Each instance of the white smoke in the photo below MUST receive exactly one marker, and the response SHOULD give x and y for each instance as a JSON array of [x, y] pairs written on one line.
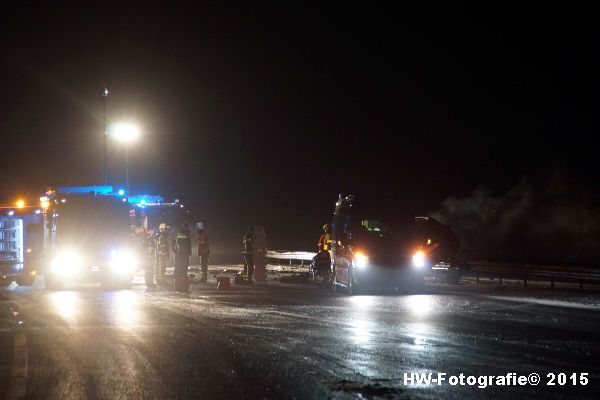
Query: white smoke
[[551, 215]]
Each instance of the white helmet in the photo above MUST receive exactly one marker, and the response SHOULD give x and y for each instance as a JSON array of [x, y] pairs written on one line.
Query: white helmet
[[162, 227], [199, 226]]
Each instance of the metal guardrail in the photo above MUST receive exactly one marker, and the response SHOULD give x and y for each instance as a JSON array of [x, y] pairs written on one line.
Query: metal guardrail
[[533, 272], [482, 269]]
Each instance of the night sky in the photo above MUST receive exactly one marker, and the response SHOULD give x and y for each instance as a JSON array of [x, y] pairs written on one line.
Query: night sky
[[264, 113]]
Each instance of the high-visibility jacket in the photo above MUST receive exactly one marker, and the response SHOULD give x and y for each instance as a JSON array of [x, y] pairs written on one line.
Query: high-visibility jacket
[[163, 244], [247, 244], [203, 246], [325, 242], [182, 245]]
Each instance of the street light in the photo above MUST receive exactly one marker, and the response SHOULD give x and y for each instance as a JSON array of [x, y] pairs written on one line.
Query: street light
[[125, 133]]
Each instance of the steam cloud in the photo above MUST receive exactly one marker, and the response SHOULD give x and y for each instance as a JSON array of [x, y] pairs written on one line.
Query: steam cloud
[[547, 219]]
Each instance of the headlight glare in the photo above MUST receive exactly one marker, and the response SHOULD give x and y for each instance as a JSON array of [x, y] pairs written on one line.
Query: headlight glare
[[360, 260], [122, 262], [66, 262], [418, 259]]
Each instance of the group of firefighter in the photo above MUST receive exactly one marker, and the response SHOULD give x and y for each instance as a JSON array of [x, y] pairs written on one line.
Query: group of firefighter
[[160, 245]]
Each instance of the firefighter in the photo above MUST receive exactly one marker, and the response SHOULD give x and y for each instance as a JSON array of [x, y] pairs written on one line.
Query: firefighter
[[247, 244], [325, 239], [182, 247], [203, 250], [162, 244], [322, 260]]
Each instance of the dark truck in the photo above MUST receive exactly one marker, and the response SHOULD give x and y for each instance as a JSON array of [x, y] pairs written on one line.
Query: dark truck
[[368, 252], [89, 239]]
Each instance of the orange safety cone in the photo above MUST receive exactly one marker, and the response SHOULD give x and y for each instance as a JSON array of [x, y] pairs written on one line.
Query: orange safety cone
[[223, 282]]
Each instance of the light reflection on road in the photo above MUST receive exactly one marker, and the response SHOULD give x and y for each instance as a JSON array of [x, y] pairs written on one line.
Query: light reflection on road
[[420, 305], [361, 308], [419, 332], [126, 309], [66, 304]]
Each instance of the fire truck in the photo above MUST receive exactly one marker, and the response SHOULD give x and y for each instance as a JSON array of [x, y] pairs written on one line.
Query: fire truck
[[81, 233], [88, 238]]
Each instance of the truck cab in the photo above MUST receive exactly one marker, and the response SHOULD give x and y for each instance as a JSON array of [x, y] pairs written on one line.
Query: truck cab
[[89, 238]]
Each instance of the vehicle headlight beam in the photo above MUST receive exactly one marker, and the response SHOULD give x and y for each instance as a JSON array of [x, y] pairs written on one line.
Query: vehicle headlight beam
[[361, 260], [66, 262], [419, 259], [122, 262]]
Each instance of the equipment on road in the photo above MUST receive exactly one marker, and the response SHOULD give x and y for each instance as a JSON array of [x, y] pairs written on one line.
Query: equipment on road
[[319, 270], [223, 283]]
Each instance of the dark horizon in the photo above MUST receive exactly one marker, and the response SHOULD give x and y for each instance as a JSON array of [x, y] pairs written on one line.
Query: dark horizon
[[264, 114]]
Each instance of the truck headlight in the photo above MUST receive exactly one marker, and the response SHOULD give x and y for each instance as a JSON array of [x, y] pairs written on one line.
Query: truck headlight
[[122, 262], [65, 262], [361, 260], [418, 259]]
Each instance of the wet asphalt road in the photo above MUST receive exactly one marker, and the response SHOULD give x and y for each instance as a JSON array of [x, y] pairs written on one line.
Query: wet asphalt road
[[289, 341]]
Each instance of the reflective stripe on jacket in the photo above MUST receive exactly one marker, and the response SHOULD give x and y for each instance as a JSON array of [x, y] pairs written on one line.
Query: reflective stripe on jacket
[[247, 244], [325, 242]]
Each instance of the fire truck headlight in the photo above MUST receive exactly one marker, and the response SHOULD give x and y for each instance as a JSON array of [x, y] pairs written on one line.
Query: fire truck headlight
[[361, 260], [66, 262], [122, 262], [418, 259]]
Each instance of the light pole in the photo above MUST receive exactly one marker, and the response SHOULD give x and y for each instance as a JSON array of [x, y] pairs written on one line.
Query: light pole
[[104, 97], [125, 133]]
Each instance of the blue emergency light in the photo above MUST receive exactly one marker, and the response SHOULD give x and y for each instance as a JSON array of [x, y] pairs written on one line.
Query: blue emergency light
[[143, 200], [95, 190]]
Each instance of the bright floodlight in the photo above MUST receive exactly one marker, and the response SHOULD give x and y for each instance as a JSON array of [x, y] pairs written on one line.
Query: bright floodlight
[[125, 132]]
